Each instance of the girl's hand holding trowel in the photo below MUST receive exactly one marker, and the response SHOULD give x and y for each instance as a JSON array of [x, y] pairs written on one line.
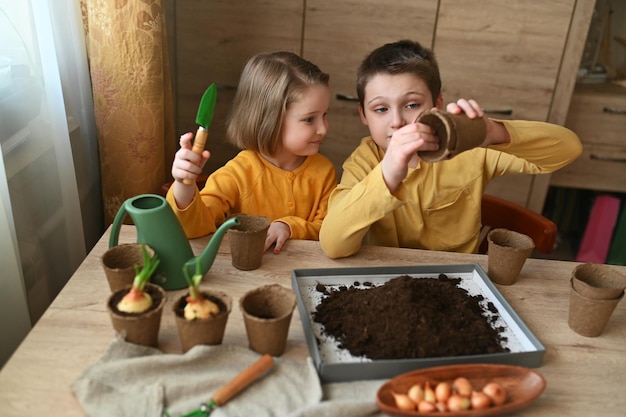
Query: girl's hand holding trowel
[[186, 168], [190, 160]]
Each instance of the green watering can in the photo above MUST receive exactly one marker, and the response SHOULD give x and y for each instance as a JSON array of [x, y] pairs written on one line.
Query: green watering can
[[158, 227]]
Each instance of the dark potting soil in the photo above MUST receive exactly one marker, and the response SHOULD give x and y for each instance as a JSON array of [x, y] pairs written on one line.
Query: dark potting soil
[[409, 318]]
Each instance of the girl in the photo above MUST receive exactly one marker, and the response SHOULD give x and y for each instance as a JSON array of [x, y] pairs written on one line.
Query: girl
[[279, 120]]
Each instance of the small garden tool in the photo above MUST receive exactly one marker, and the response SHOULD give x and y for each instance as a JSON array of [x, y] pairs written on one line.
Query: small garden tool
[[232, 388], [204, 117]]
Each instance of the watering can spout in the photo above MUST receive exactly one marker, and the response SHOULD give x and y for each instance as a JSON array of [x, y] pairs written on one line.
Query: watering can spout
[[210, 251]]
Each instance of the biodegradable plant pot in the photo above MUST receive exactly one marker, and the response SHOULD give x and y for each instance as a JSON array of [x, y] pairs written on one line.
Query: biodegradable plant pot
[[506, 254], [267, 312], [203, 331], [142, 328], [119, 263], [456, 133], [589, 316], [598, 281], [247, 241]]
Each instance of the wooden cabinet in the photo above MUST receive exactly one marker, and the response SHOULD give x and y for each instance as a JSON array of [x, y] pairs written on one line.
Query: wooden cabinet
[[598, 115], [338, 34], [507, 56], [210, 41], [517, 58], [517, 55]]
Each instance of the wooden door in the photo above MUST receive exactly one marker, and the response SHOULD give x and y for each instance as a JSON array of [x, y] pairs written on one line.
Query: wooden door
[[507, 56], [213, 40], [338, 35]]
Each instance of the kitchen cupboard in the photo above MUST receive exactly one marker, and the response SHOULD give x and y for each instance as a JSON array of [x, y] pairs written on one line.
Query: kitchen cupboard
[[338, 35], [506, 55], [209, 42], [598, 115], [598, 107], [517, 58]]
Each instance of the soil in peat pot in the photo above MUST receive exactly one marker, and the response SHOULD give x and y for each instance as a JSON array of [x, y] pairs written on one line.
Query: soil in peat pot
[[409, 318]]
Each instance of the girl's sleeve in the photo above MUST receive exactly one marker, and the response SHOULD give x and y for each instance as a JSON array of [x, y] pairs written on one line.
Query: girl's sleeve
[[209, 207]]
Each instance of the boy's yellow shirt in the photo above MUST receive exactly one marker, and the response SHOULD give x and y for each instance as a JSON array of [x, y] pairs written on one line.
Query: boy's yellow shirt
[[438, 205]]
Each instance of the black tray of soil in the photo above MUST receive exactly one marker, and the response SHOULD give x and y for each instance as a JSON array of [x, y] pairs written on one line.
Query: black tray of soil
[[380, 322]]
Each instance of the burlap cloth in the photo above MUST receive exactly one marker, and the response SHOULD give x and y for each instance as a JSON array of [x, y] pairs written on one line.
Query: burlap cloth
[[134, 381]]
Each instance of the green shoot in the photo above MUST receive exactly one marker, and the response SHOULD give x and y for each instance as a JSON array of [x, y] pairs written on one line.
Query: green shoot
[[197, 306], [149, 266]]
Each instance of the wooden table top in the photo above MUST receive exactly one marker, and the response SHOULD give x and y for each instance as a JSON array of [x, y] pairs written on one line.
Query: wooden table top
[[584, 375]]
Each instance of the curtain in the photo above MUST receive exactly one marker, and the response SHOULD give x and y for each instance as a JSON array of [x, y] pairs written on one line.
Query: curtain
[[86, 121], [49, 176], [127, 49]]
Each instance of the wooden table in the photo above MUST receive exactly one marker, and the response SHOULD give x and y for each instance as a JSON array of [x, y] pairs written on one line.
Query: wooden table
[[585, 376]]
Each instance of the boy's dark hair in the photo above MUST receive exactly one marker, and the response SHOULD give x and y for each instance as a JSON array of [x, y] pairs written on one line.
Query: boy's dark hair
[[400, 57]]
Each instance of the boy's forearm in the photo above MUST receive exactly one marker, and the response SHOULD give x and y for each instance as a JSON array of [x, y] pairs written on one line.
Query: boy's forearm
[[496, 134], [547, 146]]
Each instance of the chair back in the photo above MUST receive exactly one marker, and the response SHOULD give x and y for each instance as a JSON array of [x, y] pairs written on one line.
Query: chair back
[[499, 213]]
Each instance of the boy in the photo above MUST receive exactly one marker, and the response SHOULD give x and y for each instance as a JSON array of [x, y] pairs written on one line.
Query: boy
[[389, 197]]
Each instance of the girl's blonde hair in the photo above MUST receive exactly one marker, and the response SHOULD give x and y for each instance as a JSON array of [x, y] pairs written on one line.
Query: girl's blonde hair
[[269, 83]]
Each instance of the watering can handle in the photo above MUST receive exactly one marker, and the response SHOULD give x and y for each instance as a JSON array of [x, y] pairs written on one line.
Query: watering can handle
[[117, 225]]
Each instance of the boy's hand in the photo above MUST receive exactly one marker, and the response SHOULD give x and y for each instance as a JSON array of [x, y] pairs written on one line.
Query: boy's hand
[[469, 107], [402, 150], [496, 132], [278, 234]]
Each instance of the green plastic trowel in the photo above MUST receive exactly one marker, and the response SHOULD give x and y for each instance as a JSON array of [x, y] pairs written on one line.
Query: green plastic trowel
[[204, 117]]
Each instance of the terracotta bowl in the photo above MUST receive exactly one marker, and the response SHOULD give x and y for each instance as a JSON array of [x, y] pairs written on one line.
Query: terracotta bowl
[[522, 386]]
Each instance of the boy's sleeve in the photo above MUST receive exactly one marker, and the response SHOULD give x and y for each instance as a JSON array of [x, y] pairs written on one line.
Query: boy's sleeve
[[541, 148], [353, 207]]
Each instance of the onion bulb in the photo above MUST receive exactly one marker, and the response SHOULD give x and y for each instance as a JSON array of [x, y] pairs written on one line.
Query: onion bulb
[[429, 393], [416, 393], [479, 400], [200, 308], [426, 407], [458, 402], [462, 386], [403, 402], [443, 390], [495, 392], [135, 301], [441, 407]]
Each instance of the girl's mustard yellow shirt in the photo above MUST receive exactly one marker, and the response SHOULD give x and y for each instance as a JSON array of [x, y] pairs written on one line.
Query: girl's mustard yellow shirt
[[250, 184]]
